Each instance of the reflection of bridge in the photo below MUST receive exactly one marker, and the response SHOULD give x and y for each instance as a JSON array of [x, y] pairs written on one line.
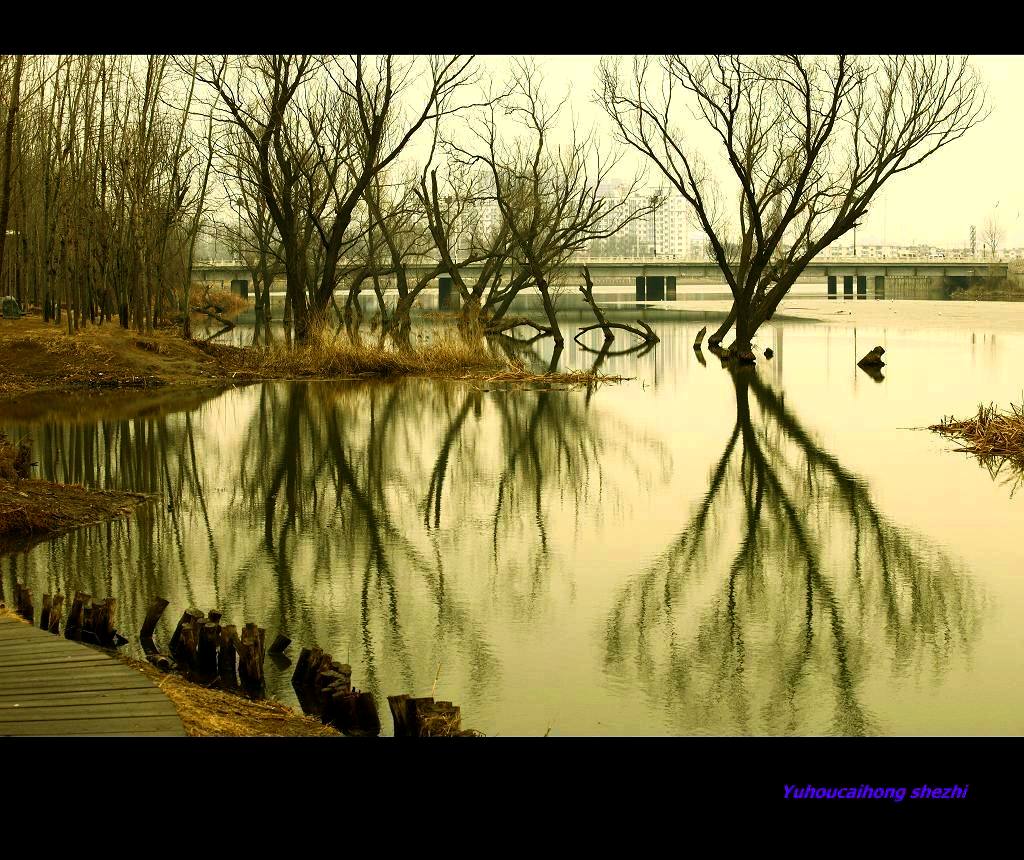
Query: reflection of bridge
[[656, 278]]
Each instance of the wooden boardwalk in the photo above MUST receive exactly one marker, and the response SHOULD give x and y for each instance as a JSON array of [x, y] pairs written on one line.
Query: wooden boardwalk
[[52, 686]]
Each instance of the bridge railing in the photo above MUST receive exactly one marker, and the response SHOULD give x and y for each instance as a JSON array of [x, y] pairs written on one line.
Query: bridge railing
[[695, 261]]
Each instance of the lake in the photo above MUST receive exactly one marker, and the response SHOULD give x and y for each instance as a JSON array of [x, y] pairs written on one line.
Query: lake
[[692, 551]]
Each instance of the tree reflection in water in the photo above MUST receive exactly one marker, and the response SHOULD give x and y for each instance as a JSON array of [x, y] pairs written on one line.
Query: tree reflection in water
[[785, 588], [395, 524]]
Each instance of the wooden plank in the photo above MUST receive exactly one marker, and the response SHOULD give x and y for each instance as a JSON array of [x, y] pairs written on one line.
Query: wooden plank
[[83, 711], [96, 725], [71, 698], [46, 686], [52, 686], [44, 647], [56, 661]]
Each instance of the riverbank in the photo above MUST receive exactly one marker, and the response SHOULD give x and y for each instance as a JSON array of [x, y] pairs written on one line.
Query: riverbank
[[31, 509], [210, 713], [41, 358]]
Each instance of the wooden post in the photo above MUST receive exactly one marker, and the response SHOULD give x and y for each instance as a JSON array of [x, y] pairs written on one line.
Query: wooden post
[[227, 657], [367, 719], [23, 602], [184, 645], [250, 656], [103, 622], [300, 667], [73, 629], [423, 717], [400, 715], [156, 609], [215, 615], [44, 616], [56, 610], [209, 639], [187, 617], [281, 642], [188, 645]]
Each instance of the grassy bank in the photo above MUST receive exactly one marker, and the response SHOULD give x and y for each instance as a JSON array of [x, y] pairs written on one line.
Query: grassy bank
[[31, 508], [214, 713], [40, 358]]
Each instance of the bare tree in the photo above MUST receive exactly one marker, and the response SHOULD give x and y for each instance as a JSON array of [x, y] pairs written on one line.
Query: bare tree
[[804, 143], [545, 191], [993, 233]]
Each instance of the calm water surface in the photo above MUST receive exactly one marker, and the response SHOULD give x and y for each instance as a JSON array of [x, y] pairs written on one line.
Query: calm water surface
[[689, 552]]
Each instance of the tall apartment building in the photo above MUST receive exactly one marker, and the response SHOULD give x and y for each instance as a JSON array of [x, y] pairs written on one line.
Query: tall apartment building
[[664, 232]]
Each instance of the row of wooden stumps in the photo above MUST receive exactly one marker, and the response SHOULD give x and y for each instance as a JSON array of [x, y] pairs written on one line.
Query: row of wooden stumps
[[324, 688], [204, 648], [89, 620]]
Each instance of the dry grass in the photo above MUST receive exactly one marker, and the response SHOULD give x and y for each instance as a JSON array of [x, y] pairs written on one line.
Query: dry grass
[[995, 437], [223, 302], [447, 355], [40, 507], [443, 356], [209, 712], [38, 357], [990, 433]]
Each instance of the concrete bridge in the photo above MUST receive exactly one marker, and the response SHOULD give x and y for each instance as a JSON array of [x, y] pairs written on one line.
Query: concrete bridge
[[656, 278]]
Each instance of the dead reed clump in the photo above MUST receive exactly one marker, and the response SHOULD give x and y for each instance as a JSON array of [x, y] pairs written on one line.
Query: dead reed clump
[[991, 433]]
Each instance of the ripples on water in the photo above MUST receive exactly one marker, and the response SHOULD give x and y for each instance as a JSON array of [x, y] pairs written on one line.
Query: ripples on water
[[691, 552]]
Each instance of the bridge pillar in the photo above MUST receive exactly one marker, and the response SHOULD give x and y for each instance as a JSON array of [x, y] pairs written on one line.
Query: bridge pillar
[[831, 286], [656, 289], [847, 286], [641, 289], [447, 298], [862, 286], [240, 287], [879, 286], [670, 288]]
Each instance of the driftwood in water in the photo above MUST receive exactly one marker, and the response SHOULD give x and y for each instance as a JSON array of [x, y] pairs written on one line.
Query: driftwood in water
[[161, 661], [699, 339], [156, 609], [505, 325], [251, 651], [56, 611], [873, 358], [281, 642], [647, 335]]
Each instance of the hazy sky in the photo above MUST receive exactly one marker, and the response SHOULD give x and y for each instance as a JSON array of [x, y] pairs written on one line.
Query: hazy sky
[[934, 203]]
